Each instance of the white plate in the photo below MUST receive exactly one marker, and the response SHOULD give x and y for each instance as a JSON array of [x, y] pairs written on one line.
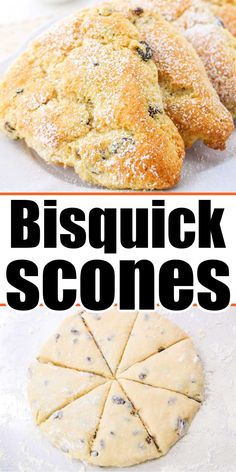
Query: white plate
[[208, 447], [204, 170]]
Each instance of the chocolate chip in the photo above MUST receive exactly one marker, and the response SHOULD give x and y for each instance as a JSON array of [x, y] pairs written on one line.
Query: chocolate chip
[[118, 400], [145, 51], [75, 331], [142, 376], [154, 110], [9, 127], [57, 337], [138, 11], [58, 415]]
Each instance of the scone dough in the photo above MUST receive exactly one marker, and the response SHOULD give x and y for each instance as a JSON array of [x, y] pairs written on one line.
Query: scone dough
[[131, 402]]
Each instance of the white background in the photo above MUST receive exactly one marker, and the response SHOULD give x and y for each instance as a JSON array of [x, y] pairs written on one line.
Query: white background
[[15, 10], [78, 257]]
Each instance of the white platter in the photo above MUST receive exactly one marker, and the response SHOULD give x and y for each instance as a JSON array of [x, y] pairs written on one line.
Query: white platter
[[204, 170]]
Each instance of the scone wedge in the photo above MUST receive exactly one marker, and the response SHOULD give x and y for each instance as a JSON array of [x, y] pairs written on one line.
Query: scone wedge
[[167, 415], [189, 97], [165, 369], [119, 416], [81, 96], [72, 428], [51, 388], [214, 43]]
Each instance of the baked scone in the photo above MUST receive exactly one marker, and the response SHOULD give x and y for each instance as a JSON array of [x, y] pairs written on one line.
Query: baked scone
[[188, 95], [214, 43], [226, 11], [136, 409], [81, 96]]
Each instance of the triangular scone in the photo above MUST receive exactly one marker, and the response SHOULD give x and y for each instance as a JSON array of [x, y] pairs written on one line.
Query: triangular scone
[[166, 415], [51, 387], [177, 368], [188, 96], [151, 333], [73, 346], [81, 96], [214, 43], [111, 331], [121, 429], [72, 428]]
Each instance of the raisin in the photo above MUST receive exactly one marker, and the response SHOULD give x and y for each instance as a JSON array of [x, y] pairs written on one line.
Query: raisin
[[57, 337], [118, 400], [182, 426], [58, 415], [142, 376], [75, 331], [148, 439], [220, 22], [89, 359], [154, 110], [145, 51], [121, 144], [9, 128], [112, 433], [94, 453], [138, 11]]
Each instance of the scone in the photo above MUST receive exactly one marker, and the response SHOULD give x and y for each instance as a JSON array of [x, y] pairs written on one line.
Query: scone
[[116, 389], [86, 95], [188, 95], [214, 43], [226, 11]]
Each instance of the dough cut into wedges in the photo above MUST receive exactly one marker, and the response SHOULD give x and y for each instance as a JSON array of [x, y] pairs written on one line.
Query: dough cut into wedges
[[111, 330], [151, 333], [73, 346], [122, 439], [72, 428], [51, 387], [214, 43], [177, 368], [81, 95], [188, 96], [167, 415]]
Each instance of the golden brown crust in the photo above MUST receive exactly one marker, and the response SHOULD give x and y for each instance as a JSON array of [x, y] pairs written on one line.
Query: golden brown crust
[[81, 96], [188, 96], [227, 14], [214, 43]]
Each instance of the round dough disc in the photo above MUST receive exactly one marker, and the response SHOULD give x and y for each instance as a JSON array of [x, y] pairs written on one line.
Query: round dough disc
[[116, 389]]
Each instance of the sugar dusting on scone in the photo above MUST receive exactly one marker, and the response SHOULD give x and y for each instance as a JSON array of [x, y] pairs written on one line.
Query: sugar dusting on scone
[[214, 43], [86, 95], [188, 95]]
